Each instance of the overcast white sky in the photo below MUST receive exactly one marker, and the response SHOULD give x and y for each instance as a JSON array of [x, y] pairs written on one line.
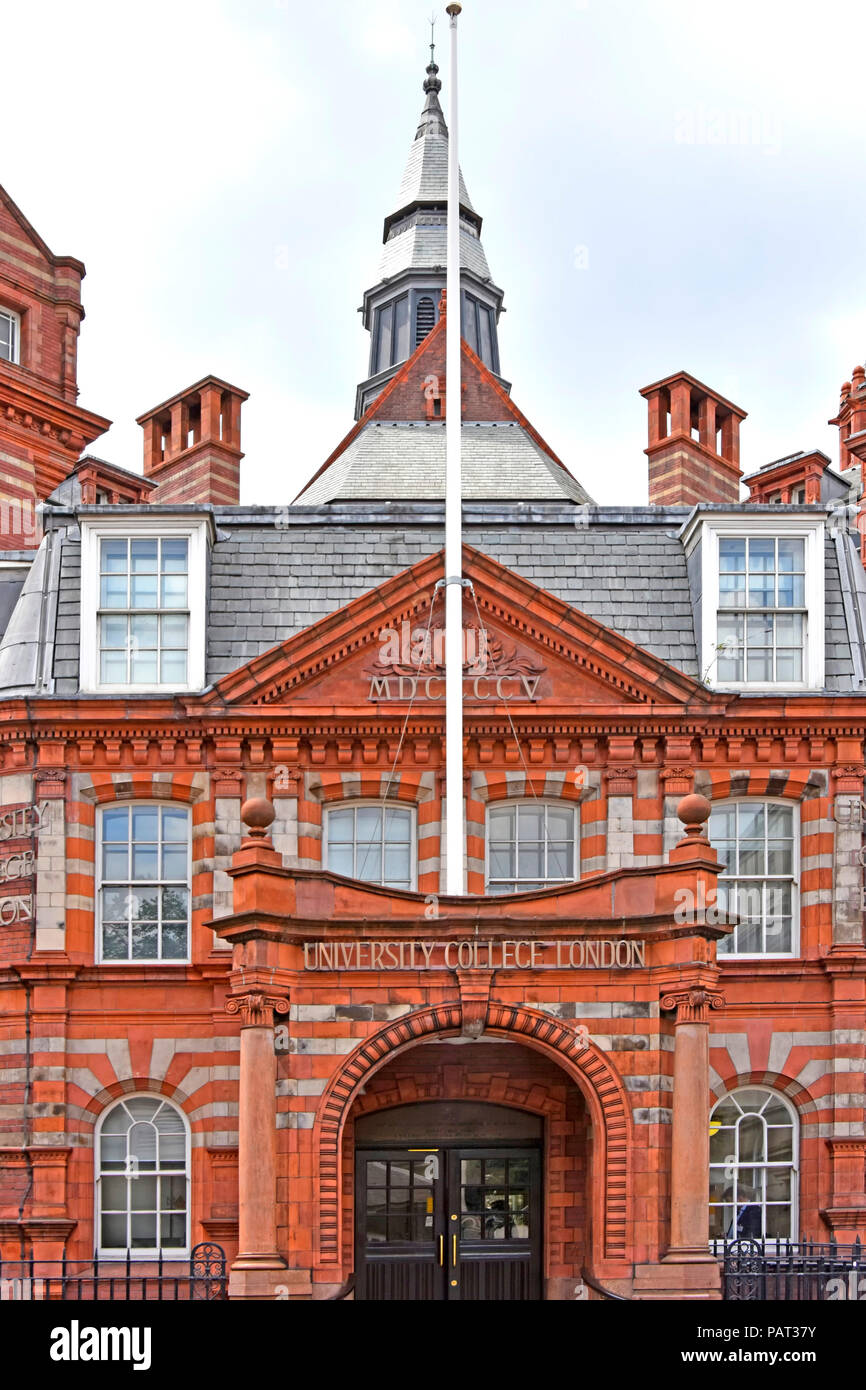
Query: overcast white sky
[[664, 185]]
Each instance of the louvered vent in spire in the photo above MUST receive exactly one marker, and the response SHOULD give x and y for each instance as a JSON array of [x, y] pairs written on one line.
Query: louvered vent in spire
[[425, 320]]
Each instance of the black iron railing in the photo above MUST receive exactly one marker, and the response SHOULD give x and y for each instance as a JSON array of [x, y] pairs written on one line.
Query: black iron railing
[[600, 1290], [792, 1271], [202, 1277]]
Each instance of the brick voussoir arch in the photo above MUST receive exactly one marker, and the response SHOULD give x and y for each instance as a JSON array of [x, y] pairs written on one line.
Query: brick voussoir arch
[[588, 1067]]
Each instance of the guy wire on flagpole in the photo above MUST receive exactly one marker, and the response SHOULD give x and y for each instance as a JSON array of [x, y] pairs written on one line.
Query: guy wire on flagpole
[[455, 810]]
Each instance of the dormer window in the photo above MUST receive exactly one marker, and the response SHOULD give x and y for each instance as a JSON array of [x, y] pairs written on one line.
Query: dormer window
[[10, 336], [762, 614], [143, 605]]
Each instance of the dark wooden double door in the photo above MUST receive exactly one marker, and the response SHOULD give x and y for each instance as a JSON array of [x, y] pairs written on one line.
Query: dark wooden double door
[[454, 1222]]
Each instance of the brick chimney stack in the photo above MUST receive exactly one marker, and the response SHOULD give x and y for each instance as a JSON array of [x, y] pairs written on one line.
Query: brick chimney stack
[[851, 421], [694, 443], [192, 444]]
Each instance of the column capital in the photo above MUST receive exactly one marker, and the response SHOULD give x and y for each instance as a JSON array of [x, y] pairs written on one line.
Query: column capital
[[257, 1008], [692, 1005]]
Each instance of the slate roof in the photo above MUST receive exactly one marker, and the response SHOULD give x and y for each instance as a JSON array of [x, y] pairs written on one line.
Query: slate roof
[[425, 177], [274, 573], [421, 242], [416, 231], [388, 461]]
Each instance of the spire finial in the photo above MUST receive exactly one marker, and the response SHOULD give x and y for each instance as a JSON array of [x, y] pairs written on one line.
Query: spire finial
[[433, 84]]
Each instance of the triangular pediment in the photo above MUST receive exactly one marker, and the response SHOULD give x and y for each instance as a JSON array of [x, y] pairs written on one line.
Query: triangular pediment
[[524, 648]]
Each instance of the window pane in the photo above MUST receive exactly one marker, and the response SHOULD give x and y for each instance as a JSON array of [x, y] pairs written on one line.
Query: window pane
[[341, 860], [114, 1232], [341, 827], [143, 590], [530, 861], [115, 824], [762, 556], [369, 824], [172, 667], [145, 941], [114, 557], [143, 1194], [397, 864], [173, 591], [175, 825], [173, 631], [175, 941], [530, 822], [398, 826], [115, 904], [470, 328], [502, 863], [502, 824], [560, 823], [560, 860], [732, 555], [144, 633], [386, 326], [115, 862], [145, 823], [114, 632], [732, 590], [762, 591], [792, 555], [144, 556], [175, 556], [115, 941], [485, 351], [751, 822], [401, 330], [113, 591]]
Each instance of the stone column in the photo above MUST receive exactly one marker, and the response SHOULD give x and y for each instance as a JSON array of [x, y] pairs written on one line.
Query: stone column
[[690, 1137], [253, 1270]]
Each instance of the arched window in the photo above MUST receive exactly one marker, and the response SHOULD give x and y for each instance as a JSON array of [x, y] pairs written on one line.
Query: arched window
[[144, 883], [757, 842], [530, 845], [362, 843], [753, 1167], [142, 1183]]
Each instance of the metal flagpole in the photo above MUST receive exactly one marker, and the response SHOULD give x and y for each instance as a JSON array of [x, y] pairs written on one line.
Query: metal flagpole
[[455, 833]]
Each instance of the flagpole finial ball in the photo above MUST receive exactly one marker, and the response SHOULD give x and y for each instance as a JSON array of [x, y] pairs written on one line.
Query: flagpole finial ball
[[454, 10]]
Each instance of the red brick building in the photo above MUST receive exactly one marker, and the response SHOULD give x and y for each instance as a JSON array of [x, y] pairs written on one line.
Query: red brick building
[[236, 1005]]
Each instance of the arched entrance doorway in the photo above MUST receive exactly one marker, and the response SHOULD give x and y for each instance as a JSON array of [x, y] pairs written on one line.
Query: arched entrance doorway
[[468, 1167]]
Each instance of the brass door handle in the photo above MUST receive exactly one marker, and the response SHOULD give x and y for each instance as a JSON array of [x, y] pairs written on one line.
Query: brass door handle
[[454, 1252], [441, 1251]]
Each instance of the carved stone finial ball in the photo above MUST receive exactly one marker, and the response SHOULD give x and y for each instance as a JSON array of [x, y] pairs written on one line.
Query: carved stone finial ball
[[694, 810], [258, 814]]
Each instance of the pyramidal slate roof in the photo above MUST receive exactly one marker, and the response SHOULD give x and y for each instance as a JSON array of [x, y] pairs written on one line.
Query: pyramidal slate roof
[[416, 233], [401, 461], [396, 451]]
